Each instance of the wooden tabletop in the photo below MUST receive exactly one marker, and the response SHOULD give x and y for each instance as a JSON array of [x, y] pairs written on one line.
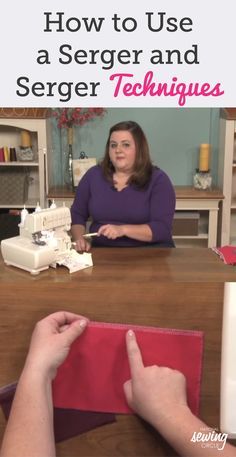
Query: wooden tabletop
[[136, 265], [190, 193], [60, 192], [157, 287]]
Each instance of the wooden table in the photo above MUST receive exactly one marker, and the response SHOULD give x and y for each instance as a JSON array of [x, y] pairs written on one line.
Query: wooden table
[[142, 286], [139, 265]]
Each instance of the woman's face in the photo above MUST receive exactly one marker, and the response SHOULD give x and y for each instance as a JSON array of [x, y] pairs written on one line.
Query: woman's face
[[122, 151]]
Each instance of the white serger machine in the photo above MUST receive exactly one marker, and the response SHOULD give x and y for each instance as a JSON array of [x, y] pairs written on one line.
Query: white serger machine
[[43, 241]]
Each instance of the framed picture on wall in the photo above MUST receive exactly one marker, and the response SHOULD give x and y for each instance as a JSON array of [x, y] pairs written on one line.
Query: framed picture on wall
[[80, 166]]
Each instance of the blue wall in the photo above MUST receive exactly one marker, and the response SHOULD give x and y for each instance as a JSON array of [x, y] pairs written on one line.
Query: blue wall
[[174, 136]]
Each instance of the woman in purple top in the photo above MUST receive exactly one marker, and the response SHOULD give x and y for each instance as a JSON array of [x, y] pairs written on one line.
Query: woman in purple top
[[130, 202]]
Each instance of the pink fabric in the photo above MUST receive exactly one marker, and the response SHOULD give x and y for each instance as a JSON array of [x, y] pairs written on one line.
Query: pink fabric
[[93, 374], [227, 254]]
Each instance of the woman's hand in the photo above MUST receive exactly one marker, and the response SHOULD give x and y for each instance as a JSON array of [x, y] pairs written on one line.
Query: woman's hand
[[51, 341], [82, 244], [155, 393], [111, 231], [140, 232]]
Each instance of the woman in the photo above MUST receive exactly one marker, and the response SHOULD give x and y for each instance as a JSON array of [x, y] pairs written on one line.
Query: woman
[[130, 202]]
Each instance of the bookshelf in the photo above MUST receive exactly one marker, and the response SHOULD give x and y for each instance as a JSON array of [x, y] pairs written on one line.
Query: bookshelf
[[15, 172]]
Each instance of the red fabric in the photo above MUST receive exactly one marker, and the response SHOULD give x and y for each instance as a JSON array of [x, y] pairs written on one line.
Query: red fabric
[[227, 254], [93, 374]]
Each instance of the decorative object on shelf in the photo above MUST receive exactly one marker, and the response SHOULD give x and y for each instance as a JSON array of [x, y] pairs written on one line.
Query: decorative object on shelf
[[202, 179], [25, 151], [68, 118], [25, 139], [81, 165], [24, 154], [204, 157]]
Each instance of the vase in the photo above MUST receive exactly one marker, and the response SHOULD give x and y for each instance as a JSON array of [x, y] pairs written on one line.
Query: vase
[[202, 180], [69, 160]]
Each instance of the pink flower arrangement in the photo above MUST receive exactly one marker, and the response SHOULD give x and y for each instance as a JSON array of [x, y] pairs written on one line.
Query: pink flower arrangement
[[68, 117]]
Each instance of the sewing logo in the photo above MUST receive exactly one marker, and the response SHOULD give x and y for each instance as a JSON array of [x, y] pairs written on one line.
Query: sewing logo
[[210, 439]]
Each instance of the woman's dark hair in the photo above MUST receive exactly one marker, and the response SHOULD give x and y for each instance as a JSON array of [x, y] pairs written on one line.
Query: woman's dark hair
[[143, 167]]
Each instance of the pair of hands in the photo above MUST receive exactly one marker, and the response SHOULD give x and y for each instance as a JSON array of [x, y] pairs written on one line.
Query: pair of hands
[[110, 231], [155, 393]]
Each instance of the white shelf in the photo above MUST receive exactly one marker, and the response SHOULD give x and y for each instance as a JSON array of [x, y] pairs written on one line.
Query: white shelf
[[191, 243], [19, 164], [31, 203], [201, 236], [10, 136]]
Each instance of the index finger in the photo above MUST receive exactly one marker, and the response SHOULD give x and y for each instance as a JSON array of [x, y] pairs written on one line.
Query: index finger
[[134, 354]]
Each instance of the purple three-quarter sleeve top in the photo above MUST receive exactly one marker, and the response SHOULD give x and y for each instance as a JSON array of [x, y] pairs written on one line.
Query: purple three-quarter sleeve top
[[96, 198]]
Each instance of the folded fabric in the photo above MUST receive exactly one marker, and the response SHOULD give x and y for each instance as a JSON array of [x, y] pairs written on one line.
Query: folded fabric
[[227, 254], [96, 368], [67, 422]]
